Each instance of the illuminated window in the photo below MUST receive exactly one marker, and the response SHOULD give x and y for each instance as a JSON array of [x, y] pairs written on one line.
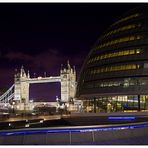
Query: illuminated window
[[127, 18], [119, 40], [124, 28], [115, 54], [138, 51], [109, 84], [115, 68], [122, 83]]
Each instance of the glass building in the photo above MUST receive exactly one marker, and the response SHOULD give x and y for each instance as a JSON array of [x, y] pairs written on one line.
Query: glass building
[[114, 76]]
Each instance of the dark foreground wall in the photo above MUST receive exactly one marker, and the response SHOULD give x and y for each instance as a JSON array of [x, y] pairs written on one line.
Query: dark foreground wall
[[118, 134]]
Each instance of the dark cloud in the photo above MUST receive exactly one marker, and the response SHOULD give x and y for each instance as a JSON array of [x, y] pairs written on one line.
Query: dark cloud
[[49, 60], [18, 56]]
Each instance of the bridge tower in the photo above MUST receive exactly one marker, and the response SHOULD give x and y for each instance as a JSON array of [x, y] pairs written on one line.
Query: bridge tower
[[68, 82], [21, 90]]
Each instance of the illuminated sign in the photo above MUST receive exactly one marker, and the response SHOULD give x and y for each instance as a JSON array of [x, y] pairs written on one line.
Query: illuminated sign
[[121, 118]]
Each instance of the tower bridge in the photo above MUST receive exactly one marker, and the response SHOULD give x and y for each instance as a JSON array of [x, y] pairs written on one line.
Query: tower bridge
[[19, 91]]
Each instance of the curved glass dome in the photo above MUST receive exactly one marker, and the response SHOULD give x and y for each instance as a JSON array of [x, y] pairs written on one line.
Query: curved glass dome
[[117, 65]]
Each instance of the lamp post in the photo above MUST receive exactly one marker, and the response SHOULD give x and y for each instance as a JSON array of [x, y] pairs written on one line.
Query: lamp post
[[58, 103], [13, 105], [31, 104]]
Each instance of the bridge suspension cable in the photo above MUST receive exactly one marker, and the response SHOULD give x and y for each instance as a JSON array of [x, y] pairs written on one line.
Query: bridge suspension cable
[[8, 95]]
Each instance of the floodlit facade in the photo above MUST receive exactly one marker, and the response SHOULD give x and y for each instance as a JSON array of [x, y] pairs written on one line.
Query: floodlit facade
[[114, 76]]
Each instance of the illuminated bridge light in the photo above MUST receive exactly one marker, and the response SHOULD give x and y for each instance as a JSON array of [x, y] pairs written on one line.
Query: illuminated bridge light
[[41, 121], [27, 125], [121, 118]]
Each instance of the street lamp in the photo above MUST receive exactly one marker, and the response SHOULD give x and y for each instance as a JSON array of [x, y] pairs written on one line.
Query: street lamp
[[12, 108], [31, 106], [17, 106], [58, 104], [57, 99], [13, 103], [31, 101]]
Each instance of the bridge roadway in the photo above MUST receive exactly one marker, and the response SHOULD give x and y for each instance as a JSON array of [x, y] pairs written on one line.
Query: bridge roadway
[[43, 80], [127, 129]]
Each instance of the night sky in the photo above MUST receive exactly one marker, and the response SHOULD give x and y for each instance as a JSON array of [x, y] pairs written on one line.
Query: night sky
[[45, 35]]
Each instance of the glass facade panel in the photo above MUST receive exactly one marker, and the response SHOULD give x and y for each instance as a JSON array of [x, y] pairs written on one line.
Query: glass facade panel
[[114, 68], [119, 40], [124, 28], [114, 54], [117, 103], [127, 18]]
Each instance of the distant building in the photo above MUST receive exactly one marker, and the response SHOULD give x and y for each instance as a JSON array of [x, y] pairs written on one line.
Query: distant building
[[114, 76]]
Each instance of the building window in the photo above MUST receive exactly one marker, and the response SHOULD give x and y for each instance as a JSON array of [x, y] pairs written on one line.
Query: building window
[[124, 28], [127, 18], [127, 82], [115, 68], [114, 54], [119, 40]]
